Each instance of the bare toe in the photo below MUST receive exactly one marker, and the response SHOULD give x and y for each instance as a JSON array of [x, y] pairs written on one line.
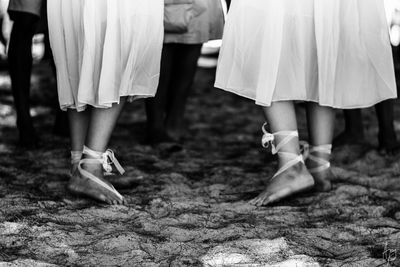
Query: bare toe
[[102, 198], [259, 200], [292, 181], [86, 187], [278, 196]]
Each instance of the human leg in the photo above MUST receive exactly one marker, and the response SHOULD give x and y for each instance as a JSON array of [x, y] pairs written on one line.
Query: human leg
[[156, 107], [184, 70], [320, 127], [20, 67], [78, 126], [282, 119], [100, 126], [354, 129], [387, 135]]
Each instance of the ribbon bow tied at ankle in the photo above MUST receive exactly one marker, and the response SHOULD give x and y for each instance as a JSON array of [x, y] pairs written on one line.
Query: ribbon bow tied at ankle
[[268, 139], [108, 159]]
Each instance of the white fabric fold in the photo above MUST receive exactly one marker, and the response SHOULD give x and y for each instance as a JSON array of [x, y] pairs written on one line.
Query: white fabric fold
[[333, 52], [105, 49]]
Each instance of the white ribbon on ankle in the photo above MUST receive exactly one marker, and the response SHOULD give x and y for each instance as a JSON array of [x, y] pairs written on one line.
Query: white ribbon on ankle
[[108, 159], [269, 138], [308, 151], [95, 179]]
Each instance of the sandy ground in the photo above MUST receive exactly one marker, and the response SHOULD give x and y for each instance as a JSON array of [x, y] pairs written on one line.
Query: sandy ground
[[189, 207]]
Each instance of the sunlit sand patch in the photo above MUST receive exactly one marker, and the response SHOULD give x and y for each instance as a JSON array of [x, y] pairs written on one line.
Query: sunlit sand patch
[[256, 253], [11, 228], [22, 263]]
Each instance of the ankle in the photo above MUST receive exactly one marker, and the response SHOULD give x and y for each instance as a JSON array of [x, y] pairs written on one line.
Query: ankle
[[286, 145], [297, 168], [95, 169], [95, 160], [286, 142], [317, 158], [91, 161], [76, 156], [90, 153], [282, 161], [311, 163]]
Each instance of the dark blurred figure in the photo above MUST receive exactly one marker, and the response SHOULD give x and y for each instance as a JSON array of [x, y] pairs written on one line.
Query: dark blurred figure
[[26, 15], [187, 27], [228, 3], [354, 129]]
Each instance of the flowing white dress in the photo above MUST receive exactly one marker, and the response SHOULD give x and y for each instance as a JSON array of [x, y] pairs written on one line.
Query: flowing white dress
[[105, 49], [333, 52]]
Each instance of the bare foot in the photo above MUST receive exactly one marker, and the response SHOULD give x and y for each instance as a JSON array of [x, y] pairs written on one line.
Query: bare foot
[[321, 177], [80, 185], [323, 180], [292, 181]]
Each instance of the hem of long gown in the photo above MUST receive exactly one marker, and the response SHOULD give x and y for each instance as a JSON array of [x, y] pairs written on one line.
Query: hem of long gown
[[85, 104], [263, 104]]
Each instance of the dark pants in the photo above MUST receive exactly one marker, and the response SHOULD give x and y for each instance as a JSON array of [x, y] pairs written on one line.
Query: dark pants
[[20, 67], [178, 67]]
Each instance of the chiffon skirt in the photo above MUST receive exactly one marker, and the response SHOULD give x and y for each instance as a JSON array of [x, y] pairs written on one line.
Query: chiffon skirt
[[333, 52], [105, 49]]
